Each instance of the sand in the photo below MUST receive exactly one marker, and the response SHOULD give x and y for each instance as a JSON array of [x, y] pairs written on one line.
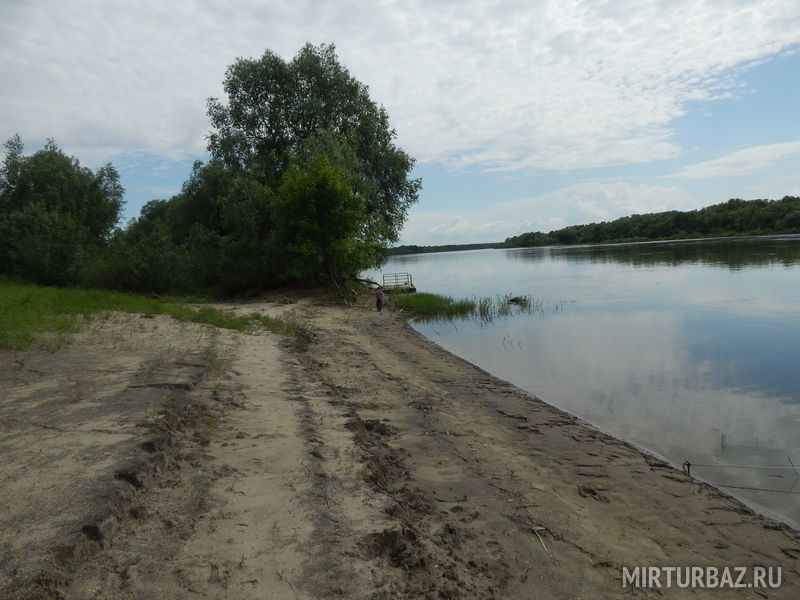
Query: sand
[[151, 459]]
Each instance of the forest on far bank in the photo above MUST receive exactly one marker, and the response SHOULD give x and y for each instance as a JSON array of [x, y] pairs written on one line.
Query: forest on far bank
[[734, 217]]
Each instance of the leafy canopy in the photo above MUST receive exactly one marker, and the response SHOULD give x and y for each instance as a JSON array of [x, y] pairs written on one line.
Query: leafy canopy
[[305, 181], [320, 220], [734, 217], [279, 111], [55, 215]]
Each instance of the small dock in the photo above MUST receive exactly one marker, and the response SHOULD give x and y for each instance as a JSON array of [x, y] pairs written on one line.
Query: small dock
[[398, 282]]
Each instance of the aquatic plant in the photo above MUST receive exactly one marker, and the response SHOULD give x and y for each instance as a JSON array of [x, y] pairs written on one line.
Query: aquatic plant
[[433, 307]]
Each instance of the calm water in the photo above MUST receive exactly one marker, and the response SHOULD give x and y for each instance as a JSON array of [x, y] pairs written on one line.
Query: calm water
[[687, 349]]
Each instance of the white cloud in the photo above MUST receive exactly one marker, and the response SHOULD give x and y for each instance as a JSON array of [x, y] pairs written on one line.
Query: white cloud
[[604, 200], [581, 203], [162, 191], [503, 85], [741, 162], [461, 227]]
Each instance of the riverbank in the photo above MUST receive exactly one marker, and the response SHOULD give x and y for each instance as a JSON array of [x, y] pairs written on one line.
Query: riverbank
[[371, 465]]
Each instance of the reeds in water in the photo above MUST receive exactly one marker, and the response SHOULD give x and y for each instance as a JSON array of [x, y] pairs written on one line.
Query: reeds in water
[[433, 307]]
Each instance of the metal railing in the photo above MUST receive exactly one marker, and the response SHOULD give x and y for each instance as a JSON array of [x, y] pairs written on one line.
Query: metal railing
[[397, 280]]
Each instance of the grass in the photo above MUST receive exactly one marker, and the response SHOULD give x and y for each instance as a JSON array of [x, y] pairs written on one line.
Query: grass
[[432, 307], [33, 314]]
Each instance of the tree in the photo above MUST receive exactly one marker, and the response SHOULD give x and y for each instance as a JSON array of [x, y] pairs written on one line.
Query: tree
[[280, 111], [304, 181], [728, 218], [54, 213], [322, 223]]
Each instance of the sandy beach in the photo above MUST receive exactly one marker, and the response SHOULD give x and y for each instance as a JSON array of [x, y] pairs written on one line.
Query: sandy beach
[[152, 459]]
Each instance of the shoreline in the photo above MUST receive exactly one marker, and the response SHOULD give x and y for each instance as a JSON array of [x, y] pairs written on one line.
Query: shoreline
[[650, 455], [559, 464], [678, 464], [374, 465]]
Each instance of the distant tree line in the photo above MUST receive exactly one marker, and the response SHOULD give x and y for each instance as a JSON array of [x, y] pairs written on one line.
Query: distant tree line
[[734, 217], [412, 249], [304, 183]]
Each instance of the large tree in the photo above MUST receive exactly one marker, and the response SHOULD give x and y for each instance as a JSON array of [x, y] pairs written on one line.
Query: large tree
[[279, 113], [305, 181], [55, 215]]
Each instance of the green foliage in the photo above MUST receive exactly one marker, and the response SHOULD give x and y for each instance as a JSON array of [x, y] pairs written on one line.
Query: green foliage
[[215, 237], [41, 244], [152, 264], [305, 183], [278, 112], [55, 216], [29, 312], [321, 222], [734, 217]]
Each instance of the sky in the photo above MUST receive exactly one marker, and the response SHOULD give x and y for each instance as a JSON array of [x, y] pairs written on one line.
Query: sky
[[522, 116]]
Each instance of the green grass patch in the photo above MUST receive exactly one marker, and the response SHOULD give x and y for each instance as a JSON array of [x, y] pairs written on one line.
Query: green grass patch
[[32, 314], [434, 306], [228, 320]]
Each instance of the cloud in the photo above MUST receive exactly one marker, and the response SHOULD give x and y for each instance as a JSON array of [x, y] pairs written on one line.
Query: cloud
[[162, 191], [741, 162], [580, 203], [460, 227], [502, 85], [603, 200]]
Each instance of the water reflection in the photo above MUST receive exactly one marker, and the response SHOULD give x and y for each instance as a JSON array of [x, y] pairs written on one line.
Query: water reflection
[[688, 349]]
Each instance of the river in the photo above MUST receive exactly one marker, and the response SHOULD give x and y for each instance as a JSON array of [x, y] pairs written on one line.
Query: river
[[687, 349]]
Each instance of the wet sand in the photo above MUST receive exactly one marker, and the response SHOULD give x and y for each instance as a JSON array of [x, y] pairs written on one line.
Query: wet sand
[[179, 461]]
